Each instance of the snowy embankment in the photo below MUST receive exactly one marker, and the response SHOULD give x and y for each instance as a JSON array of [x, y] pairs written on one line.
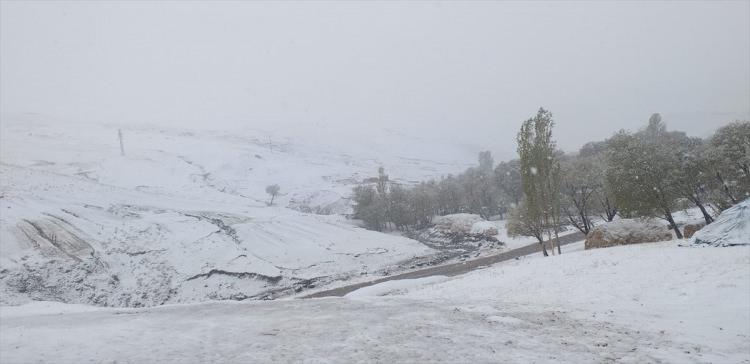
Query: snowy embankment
[[631, 304], [182, 216]]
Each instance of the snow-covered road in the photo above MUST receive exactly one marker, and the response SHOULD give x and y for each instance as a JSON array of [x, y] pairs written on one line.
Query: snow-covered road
[[452, 269]]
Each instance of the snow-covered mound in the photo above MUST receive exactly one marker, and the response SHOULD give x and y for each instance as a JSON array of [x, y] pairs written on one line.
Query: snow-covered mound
[[183, 215], [627, 231], [486, 228], [732, 227], [457, 223]]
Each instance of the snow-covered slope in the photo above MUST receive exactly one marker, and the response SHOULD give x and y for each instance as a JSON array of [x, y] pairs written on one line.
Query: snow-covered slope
[[183, 216], [630, 304]]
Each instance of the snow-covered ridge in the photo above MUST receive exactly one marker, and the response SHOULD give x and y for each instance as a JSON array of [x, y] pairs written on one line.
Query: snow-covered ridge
[[182, 217]]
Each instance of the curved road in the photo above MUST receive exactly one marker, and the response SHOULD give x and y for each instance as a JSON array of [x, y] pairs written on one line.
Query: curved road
[[449, 270]]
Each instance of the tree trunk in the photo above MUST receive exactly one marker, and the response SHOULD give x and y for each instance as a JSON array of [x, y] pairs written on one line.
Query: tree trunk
[[585, 220], [549, 239], [557, 241], [726, 188], [672, 224], [706, 216], [544, 248], [609, 210], [575, 223]]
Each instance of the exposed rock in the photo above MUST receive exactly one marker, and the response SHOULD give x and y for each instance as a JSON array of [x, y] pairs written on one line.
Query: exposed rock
[[251, 275], [54, 237], [690, 229], [627, 231]]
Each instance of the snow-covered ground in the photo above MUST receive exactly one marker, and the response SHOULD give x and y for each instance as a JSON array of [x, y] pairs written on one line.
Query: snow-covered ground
[[182, 217], [632, 304]]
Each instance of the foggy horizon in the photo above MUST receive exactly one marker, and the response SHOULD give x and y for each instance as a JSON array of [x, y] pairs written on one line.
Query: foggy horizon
[[471, 71]]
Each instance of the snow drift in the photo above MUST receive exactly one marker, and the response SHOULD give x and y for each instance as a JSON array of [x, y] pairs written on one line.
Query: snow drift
[[732, 227]]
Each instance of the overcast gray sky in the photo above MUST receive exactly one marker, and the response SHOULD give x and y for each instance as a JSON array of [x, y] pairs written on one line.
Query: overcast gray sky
[[469, 70]]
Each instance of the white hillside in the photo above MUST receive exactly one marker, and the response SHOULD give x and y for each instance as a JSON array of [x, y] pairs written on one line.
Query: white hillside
[[182, 216]]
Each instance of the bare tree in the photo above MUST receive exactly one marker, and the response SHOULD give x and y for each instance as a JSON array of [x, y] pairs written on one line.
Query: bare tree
[[521, 222], [272, 190], [580, 182]]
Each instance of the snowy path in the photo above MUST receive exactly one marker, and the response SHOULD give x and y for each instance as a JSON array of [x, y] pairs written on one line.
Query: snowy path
[[325, 330], [450, 270]]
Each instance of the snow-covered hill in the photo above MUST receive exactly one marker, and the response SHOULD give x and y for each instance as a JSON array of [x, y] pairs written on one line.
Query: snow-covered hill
[[183, 216]]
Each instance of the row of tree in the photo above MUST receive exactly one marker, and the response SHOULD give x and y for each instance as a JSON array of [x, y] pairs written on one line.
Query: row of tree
[[650, 172], [481, 190]]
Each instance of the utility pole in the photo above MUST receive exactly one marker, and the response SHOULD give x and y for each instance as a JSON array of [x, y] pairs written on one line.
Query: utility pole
[[122, 146]]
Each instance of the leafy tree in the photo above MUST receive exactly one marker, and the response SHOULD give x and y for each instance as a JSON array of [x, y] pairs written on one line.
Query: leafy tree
[[424, 203], [373, 205], [694, 180], [593, 149], [400, 207], [486, 162], [594, 156], [369, 207], [382, 182], [642, 172], [508, 184], [450, 196], [729, 155], [540, 173], [479, 191]]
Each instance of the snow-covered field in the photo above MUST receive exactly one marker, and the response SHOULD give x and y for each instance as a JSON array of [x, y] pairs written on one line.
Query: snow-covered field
[[632, 304], [183, 216]]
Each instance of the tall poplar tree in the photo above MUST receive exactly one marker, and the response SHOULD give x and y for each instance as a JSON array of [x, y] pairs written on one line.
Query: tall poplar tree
[[540, 175]]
